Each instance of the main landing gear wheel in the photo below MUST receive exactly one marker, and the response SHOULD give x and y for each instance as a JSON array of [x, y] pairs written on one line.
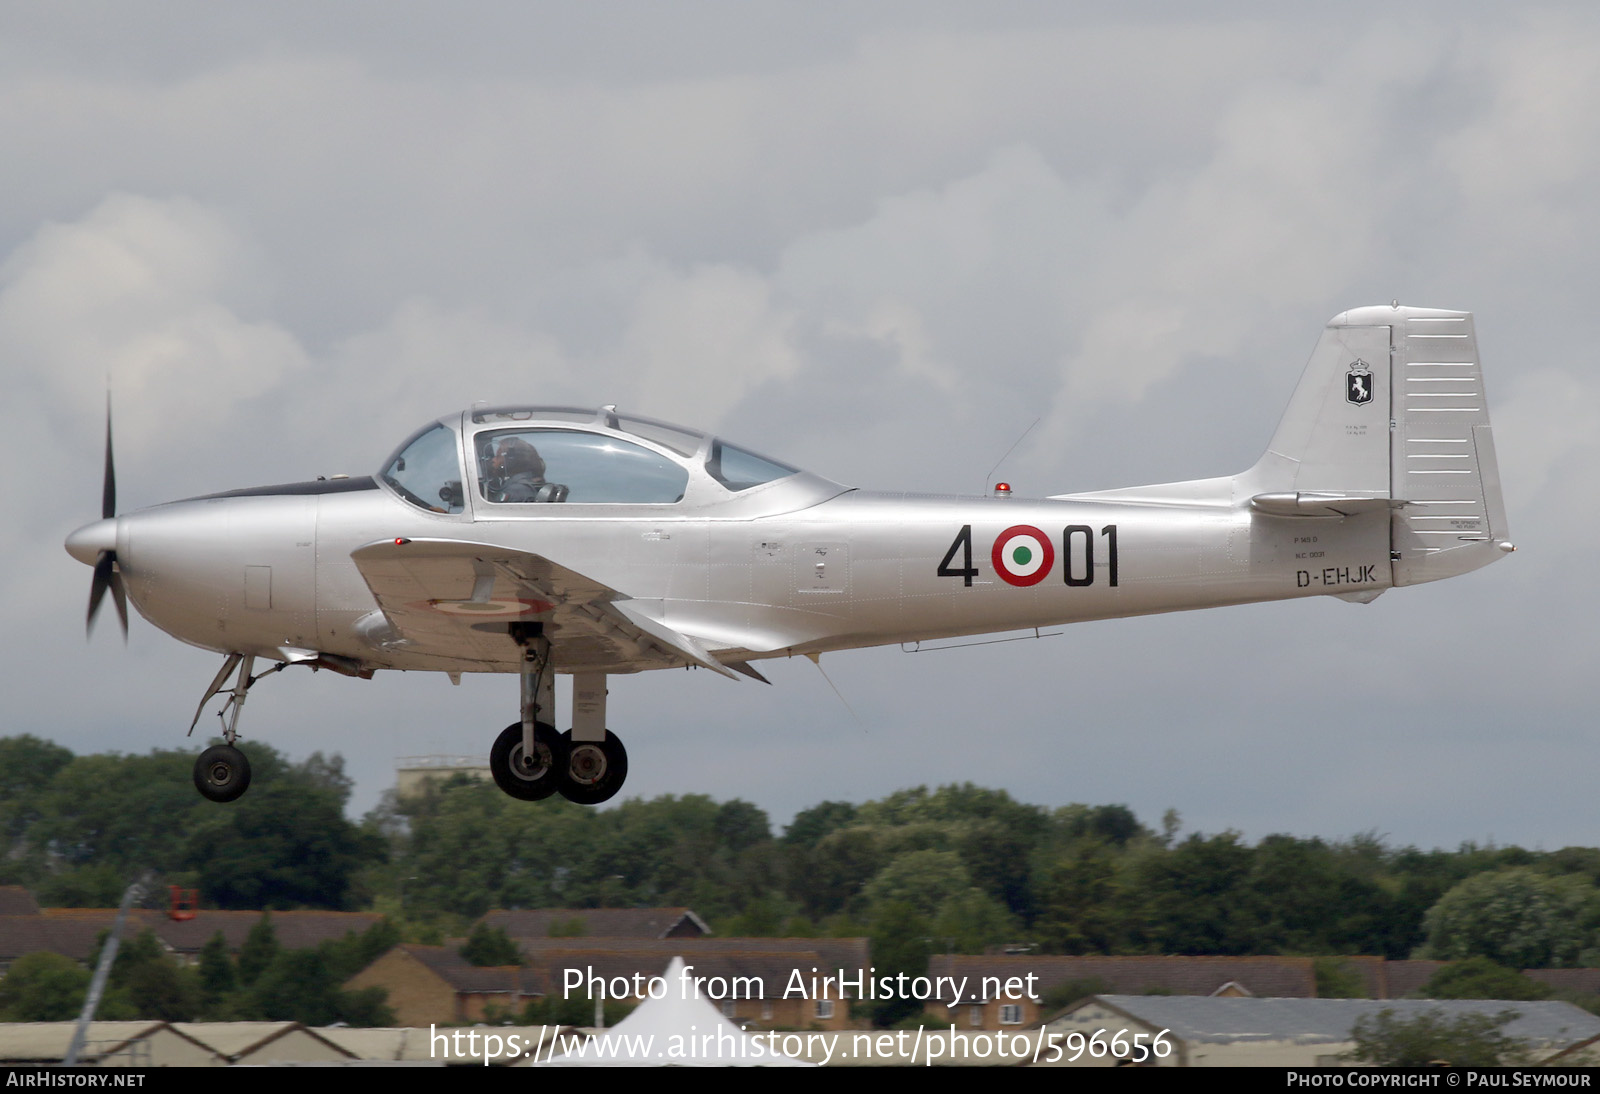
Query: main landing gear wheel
[[595, 769], [528, 778], [222, 773]]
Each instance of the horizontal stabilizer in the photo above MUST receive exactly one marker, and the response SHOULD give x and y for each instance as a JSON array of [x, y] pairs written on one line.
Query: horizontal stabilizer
[[1302, 504]]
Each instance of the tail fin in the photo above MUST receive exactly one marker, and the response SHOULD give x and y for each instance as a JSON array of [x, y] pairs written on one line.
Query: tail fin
[[1390, 411]]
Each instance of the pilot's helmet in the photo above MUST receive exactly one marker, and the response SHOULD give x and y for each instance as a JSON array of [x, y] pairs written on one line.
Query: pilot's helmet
[[516, 456]]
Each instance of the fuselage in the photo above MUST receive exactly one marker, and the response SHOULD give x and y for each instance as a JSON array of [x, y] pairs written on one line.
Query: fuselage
[[796, 566]]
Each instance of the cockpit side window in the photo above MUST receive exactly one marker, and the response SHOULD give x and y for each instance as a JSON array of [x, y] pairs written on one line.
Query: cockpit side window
[[558, 465], [682, 441], [427, 471], [740, 470]]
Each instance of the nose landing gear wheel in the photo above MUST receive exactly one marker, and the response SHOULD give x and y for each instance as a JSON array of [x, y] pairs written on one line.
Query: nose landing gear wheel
[[530, 778], [222, 773], [595, 769]]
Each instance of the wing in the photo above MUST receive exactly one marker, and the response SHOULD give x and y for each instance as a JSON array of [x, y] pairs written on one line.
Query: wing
[[455, 599]]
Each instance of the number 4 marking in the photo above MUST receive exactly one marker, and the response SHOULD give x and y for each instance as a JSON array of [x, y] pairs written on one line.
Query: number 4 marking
[[963, 543]]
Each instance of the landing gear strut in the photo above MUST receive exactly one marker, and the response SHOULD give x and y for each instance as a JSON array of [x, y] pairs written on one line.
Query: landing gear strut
[[531, 761], [529, 757], [222, 772], [597, 763]]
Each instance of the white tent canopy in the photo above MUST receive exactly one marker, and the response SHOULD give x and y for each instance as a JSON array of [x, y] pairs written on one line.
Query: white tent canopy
[[683, 1029]]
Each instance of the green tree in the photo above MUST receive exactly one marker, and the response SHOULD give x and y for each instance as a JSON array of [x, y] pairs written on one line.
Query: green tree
[[296, 987], [43, 987], [1481, 978], [1115, 824], [304, 985], [810, 825], [78, 828], [1470, 1040], [571, 927], [218, 976], [284, 845], [1517, 917], [356, 952], [27, 765], [972, 920], [474, 849], [147, 982], [489, 946], [98, 809], [1192, 897], [922, 879], [762, 918], [260, 950], [164, 990], [900, 937], [740, 825], [87, 885], [1335, 979], [1078, 901], [832, 873], [558, 1009]]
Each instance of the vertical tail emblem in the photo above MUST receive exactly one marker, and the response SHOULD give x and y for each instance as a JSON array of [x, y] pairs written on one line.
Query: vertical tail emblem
[[1358, 383]]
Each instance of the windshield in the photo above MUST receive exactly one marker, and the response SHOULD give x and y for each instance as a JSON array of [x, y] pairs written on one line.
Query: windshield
[[427, 471]]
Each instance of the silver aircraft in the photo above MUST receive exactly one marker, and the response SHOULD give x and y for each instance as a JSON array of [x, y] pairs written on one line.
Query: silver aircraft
[[550, 540]]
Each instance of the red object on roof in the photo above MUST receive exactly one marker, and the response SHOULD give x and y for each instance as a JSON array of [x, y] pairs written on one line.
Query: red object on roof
[[184, 902]]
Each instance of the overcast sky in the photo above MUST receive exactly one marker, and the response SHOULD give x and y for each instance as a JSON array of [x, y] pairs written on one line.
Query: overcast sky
[[877, 241]]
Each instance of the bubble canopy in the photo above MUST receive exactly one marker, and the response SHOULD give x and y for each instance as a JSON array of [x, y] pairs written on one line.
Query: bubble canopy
[[522, 455]]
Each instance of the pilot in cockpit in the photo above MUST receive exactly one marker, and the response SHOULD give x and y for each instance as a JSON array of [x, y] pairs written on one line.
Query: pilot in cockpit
[[520, 469]]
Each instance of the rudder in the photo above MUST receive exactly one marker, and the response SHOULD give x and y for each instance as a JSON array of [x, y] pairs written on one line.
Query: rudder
[[1450, 517]]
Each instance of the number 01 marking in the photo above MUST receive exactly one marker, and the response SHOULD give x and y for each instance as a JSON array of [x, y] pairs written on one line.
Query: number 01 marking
[[1077, 544]]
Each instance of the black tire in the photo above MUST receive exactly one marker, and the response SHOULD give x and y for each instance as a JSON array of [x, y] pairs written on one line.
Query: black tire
[[222, 773], [529, 783], [595, 770]]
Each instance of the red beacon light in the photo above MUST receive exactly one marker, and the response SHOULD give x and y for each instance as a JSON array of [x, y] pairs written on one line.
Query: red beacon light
[[1002, 489]]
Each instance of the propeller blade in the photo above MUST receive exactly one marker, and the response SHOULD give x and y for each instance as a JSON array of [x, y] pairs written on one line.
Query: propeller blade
[[105, 564], [107, 577], [97, 589], [120, 599], [108, 494]]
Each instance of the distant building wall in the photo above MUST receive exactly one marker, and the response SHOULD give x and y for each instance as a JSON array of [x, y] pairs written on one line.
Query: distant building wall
[[417, 995], [414, 773]]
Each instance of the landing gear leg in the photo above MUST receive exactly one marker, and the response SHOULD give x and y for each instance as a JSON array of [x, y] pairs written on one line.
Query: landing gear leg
[[529, 758], [597, 763], [222, 772]]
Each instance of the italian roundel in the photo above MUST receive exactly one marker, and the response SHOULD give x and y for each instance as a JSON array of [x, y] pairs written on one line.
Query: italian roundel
[[487, 608], [1023, 555]]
